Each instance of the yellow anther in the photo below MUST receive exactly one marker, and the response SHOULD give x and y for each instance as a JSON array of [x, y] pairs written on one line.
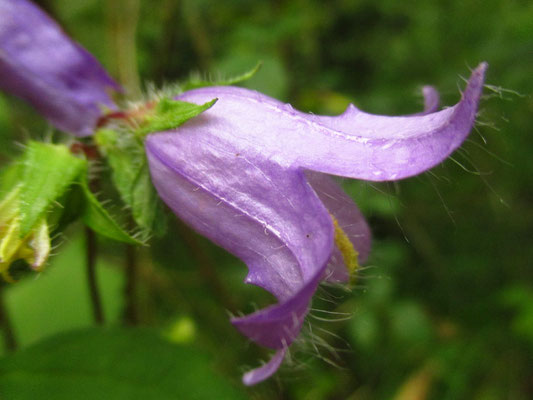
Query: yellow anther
[[349, 254]]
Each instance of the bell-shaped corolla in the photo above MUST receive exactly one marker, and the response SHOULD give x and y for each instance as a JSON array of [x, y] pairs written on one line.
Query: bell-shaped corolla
[[39, 63], [250, 174]]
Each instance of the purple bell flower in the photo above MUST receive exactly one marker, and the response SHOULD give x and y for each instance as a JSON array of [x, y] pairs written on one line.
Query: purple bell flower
[[250, 174], [40, 64]]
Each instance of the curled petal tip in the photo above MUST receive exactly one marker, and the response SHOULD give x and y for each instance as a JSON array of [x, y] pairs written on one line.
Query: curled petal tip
[[475, 83], [257, 375], [482, 67], [431, 99]]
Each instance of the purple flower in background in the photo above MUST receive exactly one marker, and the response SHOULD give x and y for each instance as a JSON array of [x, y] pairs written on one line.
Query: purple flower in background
[[250, 174], [40, 64]]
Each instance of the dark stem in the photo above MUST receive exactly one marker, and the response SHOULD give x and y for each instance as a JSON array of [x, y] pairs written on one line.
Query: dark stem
[[131, 316], [91, 250], [10, 343]]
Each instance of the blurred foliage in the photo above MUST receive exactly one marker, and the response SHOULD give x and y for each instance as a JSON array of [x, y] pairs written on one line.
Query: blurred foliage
[[73, 365], [444, 309]]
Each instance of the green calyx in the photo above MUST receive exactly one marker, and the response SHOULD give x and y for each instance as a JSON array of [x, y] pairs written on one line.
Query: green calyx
[[123, 150]]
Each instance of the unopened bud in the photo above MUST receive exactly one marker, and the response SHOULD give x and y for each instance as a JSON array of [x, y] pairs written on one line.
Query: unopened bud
[[34, 247]]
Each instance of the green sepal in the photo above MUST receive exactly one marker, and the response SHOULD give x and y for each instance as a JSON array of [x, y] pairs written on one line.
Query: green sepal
[[195, 82], [47, 171], [147, 209], [130, 175], [98, 219], [125, 156], [170, 114]]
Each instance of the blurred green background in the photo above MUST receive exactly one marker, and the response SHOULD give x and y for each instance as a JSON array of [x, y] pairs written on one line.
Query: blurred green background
[[444, 308]]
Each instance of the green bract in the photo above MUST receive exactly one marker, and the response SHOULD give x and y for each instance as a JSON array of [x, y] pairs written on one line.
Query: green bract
[[195, 82], [170, 114]]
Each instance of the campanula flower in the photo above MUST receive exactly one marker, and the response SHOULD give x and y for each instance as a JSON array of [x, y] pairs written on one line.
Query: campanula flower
[[250, 174], [40, 64]]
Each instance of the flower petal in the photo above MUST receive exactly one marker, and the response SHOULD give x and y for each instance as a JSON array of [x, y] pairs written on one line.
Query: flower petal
[[342, 207], [264, 372], [431, 99], [265, 214], [350, 220], [236, 175], [40, 64], [354, 144]]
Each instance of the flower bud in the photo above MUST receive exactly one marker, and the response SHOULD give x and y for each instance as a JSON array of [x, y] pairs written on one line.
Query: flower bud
[[33, 247]]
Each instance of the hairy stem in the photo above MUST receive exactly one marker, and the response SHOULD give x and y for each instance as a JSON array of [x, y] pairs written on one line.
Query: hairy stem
[[91, 251], [10, 343]]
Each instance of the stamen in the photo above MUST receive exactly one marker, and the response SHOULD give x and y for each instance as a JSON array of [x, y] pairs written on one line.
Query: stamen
[[349, 254]]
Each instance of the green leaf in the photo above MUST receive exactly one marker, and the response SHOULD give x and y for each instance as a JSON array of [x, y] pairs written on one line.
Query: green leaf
[[196, 82], [48, 170], [99, 220], [112, 364], [170, 114]]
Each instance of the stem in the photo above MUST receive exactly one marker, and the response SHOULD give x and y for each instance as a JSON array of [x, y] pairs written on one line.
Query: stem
[[123, 16], [198, 34], [10, 343], [91, 250], [131, 316]]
